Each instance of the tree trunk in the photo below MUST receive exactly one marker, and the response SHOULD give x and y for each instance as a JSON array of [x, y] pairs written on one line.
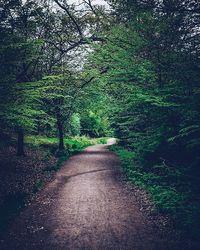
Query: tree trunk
[[20, 142], [60, 132]]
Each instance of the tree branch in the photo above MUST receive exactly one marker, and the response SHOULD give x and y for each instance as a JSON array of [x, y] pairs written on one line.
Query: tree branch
[[82, 41], [89, 3], [91, 79], [66, 9]]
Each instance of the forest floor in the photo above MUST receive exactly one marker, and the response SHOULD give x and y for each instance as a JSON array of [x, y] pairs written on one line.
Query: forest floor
[[88, 206]]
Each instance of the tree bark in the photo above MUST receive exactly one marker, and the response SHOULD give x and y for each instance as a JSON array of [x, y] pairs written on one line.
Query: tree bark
[[60, 132], [20, 142]]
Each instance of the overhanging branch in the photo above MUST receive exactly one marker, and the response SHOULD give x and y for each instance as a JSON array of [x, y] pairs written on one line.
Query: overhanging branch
[[66, 9]]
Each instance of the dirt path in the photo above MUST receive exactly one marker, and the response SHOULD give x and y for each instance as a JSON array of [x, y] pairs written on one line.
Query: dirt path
[[85, 207]]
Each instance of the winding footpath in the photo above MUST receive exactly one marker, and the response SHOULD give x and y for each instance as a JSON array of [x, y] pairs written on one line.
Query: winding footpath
[[86, 207]]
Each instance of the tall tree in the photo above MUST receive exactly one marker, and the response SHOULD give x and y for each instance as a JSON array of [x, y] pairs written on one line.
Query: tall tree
[[18, 54], [152, 63]]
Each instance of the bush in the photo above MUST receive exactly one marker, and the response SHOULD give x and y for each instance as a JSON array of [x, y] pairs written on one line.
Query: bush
[[169, 188]]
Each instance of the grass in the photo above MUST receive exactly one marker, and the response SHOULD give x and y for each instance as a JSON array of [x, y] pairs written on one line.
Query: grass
[[170, 190], [72, 146], [77, 142]]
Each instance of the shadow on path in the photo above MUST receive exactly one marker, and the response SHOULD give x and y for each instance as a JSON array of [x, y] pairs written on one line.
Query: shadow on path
[[90, 212]]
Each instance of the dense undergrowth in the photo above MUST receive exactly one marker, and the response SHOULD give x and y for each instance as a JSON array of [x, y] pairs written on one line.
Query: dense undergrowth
[[173, 191]]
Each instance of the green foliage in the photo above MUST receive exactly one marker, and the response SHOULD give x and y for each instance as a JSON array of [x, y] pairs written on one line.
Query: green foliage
[[73, 144], [75, 125], [140, 82], [94, 125], [95, 110], [154, 79], [152, 74], [169, 188], [19, 103]]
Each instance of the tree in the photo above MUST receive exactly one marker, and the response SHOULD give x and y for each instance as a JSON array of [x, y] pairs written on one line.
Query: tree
[[18, 54], [150, 64]]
